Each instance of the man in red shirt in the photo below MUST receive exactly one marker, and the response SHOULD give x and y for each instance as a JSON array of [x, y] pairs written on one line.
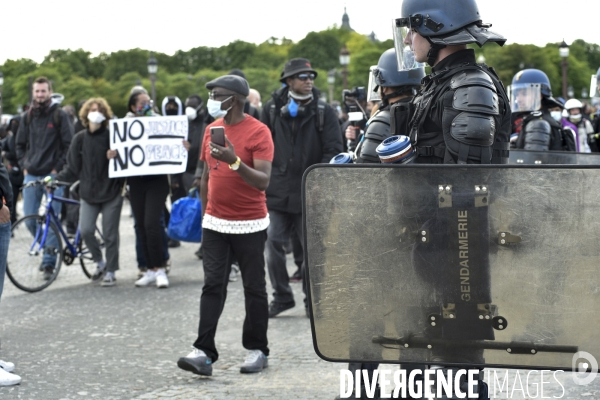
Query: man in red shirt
[[235, 220]]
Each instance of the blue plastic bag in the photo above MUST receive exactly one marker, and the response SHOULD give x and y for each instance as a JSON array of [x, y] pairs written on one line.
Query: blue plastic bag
[[185, 223]]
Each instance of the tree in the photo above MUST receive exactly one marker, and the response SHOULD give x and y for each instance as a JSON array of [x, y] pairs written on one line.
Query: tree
[[124, 61], [321, 48], [78, 61]]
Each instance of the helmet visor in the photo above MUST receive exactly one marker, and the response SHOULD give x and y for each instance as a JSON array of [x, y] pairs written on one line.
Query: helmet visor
[[373, 88], [525, 97], [594, 89], [404, 53]]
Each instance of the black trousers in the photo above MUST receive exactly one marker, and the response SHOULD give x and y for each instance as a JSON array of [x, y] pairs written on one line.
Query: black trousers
[[248, 249], [147, 197]]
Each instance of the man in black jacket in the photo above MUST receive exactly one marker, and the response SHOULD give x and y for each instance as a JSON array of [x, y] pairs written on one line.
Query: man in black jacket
[[305, 131], [43, 139]]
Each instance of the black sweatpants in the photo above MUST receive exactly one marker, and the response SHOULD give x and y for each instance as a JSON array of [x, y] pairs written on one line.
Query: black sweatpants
[[147, 196]]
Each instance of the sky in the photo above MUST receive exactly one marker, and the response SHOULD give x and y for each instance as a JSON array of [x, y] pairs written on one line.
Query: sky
[[31, 29]]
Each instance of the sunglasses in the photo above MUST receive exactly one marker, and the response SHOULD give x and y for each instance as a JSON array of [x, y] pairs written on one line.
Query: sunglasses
[[304, 77]]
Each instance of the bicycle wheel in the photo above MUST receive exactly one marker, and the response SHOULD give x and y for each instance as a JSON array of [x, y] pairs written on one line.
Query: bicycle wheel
[[85, 257], [25, 261]]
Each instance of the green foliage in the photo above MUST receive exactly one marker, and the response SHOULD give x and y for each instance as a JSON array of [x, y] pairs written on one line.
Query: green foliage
[[78, 75], [322, 49]]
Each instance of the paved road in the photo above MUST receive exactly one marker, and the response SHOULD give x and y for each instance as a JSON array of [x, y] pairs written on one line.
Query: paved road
[[76, 340]]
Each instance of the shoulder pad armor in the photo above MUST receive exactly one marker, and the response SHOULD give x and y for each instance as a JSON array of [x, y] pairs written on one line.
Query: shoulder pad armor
[[477, 99], [381, 116], [537, 135], [471, 78], [379, 127]]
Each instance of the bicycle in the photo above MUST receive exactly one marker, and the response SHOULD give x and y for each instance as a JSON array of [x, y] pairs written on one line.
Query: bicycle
[[31, 239]]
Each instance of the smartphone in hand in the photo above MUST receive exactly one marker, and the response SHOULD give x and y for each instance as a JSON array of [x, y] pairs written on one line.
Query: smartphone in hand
[[217, 135]]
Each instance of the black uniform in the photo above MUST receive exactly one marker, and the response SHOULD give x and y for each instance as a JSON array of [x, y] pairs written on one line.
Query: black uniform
[[539, 131], [378, 129], [462, 115]]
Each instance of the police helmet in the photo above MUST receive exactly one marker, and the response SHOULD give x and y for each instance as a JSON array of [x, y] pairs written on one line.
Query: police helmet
[[533, 76], [446, 22], [532, 81], [386, 73]]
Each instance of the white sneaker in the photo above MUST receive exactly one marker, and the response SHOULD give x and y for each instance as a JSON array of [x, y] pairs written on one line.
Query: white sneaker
[[148, 278], [256, 361], [162, 282], [233, 275], [7, 366], [8, 379]]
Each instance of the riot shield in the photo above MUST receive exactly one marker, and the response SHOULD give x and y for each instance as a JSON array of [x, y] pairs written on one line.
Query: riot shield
[[454, 265], [533, 157]]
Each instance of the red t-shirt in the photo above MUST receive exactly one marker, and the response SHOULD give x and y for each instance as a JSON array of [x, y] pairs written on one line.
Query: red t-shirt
[[229, 197]]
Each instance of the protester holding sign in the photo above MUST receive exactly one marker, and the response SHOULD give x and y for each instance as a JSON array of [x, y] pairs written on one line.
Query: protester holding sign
[[137, 106], [234, 179], [148, 194], [88, 162]]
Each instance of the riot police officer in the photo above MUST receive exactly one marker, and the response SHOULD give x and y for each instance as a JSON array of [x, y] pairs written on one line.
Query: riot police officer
[[462, 115], [388, 86], [393, 87], [531, 101]]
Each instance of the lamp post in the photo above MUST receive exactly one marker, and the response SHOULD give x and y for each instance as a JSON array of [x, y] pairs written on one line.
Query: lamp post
[[344, 61], [481, 59], [584, 93], [563, 50], [571, 92], [331, 82], [152, 70], [1, 84]]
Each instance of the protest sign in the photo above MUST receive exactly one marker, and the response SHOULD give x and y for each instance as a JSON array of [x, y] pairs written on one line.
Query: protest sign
[[148, 146]]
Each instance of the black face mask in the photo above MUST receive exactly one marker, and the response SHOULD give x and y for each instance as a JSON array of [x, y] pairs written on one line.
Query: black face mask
[[171, 111]]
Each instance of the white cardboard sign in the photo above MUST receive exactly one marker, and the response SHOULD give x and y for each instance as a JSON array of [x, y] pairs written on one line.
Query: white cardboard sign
[[148, 146]]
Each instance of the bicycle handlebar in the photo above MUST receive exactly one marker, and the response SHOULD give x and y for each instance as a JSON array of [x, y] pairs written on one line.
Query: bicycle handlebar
[[52, 184]]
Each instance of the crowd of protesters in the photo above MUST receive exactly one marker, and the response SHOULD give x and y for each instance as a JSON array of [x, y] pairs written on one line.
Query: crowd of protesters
[[250, 188]]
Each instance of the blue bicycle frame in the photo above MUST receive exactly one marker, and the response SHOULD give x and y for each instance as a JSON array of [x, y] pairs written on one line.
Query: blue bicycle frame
[[50, 215]]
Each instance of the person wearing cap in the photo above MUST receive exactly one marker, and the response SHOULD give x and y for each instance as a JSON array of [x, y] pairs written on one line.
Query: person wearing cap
[[306, 131], [235, 221]]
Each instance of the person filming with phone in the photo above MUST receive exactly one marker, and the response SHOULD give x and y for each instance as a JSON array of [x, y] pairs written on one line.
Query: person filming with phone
[[237, 152]]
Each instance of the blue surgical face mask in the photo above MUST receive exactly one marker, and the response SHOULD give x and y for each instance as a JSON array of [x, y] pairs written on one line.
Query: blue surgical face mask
[[557, 115], [214, 109]]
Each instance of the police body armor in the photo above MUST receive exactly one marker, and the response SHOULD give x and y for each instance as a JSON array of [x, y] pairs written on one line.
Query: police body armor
[[540, 132], [378, 129], [478, 131]]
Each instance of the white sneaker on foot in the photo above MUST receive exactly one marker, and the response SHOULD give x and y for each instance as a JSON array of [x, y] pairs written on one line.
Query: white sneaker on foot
[[256, 361], [233, 275], [148, 278], [8, 379], [100, 271], [7, 366], [109, 280], [162, 282]]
